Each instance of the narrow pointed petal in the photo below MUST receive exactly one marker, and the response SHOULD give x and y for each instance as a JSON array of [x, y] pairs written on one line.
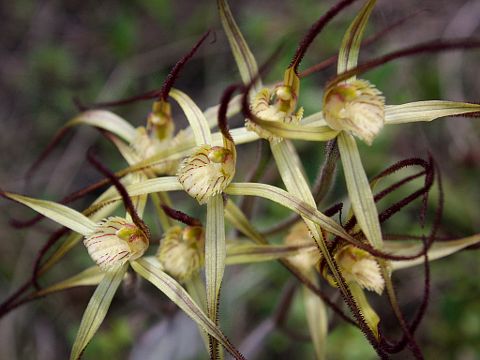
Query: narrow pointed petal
[[215, 253], [350, 48], [61, 214], [105, 120], [359, 190], [176, 293], [427, 111], [195, 117], [243, 56], [438, 250], [91, 276], [97, 310]]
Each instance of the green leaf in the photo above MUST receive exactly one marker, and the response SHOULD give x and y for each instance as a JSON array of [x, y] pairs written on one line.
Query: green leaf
[[243, 56], [195, 117], [61, 214], [215, 253], [350, 48], [438, 250], [175, 292], [359, 190], [91, 276], [97, 310], [106, 120], [426, 111]]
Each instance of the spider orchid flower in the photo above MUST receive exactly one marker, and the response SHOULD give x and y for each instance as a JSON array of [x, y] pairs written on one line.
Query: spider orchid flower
[[112, 243]]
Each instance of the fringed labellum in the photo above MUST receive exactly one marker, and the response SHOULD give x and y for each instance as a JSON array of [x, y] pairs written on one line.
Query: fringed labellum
[[114, 242], [357, 107], [360, 267], [181, 251], [207, 172]]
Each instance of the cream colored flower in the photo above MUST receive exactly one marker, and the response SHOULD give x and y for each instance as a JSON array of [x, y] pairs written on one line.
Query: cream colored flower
[[181, 251], [361, 267], [357, 107], [146, 146], [306, 259], [114, 242], [274, 106], [207, 172]]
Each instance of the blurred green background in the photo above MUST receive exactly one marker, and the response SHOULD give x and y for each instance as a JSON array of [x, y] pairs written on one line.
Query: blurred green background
[[53, 51]]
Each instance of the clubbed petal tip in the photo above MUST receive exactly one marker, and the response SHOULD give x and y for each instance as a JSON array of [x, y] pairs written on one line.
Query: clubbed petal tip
[[207, 172], [181, 251], [281, 111], [359, 266], [357, 107], [114, 242]]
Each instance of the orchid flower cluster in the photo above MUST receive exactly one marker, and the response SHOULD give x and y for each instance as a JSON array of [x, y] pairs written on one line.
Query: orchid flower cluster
[[353, 258]]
